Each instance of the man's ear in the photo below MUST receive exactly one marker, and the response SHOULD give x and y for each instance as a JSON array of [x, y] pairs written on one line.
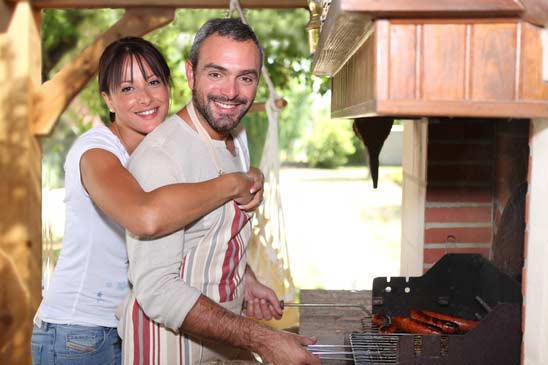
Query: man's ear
[[189, 74], [108, 101]]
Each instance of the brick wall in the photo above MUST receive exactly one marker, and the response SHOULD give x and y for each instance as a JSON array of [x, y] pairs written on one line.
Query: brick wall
[[473, 167]]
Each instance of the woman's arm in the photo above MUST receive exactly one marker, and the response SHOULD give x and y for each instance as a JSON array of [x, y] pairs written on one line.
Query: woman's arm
[[160, 211]]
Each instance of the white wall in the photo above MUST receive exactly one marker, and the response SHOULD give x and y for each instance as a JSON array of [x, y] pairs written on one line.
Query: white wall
[[535, 338]]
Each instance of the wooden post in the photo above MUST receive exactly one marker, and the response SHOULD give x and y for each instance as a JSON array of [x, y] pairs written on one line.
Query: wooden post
[[20, 181]]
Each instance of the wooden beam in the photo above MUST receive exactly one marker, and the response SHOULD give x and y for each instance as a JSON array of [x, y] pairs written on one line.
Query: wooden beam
[[53, 97], [261, 106], [536, 12], [434, 8], [348, 22], [342, 34], [196, 4], [20, 181]]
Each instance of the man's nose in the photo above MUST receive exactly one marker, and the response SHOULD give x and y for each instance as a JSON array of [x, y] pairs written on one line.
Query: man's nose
[[230, 89]]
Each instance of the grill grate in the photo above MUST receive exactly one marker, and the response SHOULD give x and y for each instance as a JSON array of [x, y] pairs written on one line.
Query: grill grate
[[369, 349]]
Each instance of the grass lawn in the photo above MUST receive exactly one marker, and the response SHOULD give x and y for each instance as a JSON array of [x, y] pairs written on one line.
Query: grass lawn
[[341, 232]]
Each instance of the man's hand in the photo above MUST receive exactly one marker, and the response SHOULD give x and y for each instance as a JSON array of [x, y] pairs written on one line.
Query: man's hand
[[256, 190], [285, 348], [260, 301]]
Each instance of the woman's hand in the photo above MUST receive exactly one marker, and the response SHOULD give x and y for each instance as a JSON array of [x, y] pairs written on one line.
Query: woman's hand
[[256, 190]]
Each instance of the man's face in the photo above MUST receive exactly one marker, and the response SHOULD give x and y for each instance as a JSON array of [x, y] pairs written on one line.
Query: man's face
[[225, 82]]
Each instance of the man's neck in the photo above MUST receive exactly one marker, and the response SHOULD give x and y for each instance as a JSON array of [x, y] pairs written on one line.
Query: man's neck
[[226, 137]]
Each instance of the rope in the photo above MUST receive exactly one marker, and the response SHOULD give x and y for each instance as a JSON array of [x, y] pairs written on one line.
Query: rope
[[235, 6], [269, 231]]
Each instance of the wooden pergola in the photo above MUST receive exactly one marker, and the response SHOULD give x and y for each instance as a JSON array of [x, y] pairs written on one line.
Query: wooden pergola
[[29, 110]]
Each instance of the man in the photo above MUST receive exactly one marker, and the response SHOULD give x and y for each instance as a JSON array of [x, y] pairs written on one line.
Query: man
[[191, 283]]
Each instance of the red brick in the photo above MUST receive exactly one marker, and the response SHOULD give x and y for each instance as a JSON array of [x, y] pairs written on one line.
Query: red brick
[[527, 199], [512, 171], [432, 255], [518, 127], [462, 235], [439, 151], [523, 281], [460, 173], [502, 193], [511, 145], [461, 129], [529, 165], [459, 194], [460, 214], [525, 243]]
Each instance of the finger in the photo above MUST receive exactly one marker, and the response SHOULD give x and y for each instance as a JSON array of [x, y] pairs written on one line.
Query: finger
[[307, 340], [250, 311], [267, 315], [257, 308], [253, 203], [274, 313]]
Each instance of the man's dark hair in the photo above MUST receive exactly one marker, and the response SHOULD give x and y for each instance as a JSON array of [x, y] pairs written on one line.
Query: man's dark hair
[[225, 27], [113, 61]]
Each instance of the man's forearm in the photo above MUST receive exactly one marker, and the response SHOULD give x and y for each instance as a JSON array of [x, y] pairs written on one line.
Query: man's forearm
[[209, 320]]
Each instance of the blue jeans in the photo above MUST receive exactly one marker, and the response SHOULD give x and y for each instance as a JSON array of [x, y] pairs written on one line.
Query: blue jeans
[[62, 344]]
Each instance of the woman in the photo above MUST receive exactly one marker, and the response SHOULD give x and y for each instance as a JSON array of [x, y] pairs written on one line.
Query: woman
[[76, 321]]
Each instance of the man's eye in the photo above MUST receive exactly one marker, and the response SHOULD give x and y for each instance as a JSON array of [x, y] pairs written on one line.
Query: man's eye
[[214, 75], [247, 79]]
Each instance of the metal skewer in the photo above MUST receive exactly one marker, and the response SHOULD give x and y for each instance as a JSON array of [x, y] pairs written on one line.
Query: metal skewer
[[326, 305]]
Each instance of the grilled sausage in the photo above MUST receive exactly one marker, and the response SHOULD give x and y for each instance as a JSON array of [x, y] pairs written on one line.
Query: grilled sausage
[[379, 319], [409, 325], [463, 324], [390, 329], [445, 326]]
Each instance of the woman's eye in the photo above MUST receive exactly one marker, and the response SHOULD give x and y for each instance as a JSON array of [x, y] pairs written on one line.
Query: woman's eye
[[126, 89], [155, 82]]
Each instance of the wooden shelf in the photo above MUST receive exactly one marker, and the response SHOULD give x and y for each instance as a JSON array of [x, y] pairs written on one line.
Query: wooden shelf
[[195, 4], [444, 67], [349, 22]]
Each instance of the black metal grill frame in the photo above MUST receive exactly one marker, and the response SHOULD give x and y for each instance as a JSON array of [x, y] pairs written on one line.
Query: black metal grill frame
[[448, 287]]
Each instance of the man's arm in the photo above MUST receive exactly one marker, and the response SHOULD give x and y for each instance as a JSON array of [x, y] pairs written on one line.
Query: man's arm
[[155, 264], [209, 320]]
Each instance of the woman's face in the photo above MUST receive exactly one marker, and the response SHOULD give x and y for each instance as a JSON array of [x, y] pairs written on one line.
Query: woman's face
[[141, 102]]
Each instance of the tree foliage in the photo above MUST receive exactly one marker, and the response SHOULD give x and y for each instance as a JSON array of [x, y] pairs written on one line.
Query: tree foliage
[[65, 33]]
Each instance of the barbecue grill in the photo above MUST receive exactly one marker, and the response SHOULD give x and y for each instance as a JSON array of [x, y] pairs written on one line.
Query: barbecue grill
[[461, 285]]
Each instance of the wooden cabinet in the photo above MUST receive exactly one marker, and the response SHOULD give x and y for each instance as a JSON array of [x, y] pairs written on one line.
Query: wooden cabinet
[[477, 67]]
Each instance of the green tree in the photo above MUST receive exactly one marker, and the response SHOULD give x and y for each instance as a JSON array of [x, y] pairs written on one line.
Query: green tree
[[281, 33]]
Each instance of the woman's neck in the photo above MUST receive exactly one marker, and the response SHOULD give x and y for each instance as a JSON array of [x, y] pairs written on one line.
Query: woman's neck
[[130, 139]]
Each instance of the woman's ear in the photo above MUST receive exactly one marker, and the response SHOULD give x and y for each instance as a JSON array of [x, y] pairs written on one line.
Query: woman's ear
[[108, 101]]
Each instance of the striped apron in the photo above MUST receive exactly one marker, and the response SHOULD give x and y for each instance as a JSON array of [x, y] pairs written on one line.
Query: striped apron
[[216, 266]]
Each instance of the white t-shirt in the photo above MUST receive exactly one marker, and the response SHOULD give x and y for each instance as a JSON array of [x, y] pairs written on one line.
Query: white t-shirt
[[90, 278]]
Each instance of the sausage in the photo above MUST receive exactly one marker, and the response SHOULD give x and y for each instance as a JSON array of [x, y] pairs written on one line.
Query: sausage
[[390, 329], [409, 325], [463, 324], [445, 326], [379, 319]]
